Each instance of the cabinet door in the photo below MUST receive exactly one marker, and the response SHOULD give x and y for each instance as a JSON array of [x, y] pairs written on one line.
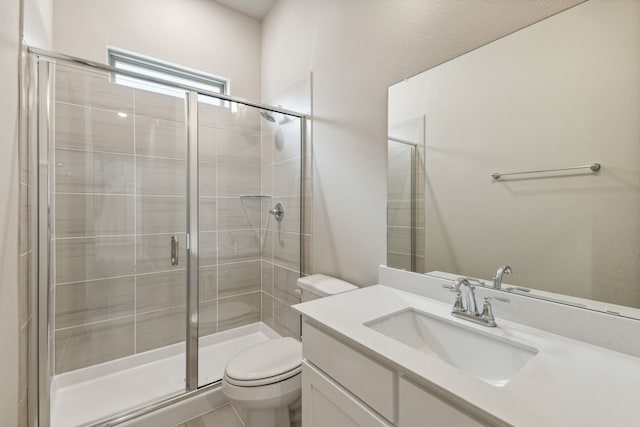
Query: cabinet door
[[418, 407], [325, 403]]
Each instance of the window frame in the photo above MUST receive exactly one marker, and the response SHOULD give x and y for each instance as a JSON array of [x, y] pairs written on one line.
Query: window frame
[[197, 78]]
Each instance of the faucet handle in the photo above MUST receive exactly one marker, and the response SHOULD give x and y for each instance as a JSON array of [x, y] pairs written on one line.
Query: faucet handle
[[457, 305], [487, 311]]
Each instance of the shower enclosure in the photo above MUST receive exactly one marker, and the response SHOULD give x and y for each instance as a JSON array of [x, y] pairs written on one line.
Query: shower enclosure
[[158, 247]]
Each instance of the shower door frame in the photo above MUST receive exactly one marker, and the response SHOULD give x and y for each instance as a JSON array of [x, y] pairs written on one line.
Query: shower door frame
[[41, 78]]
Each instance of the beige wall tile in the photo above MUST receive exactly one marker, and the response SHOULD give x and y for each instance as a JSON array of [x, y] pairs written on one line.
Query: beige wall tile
[[267, 309], [156, 176], [267, 277], [89, 172], [240, 278], [88, 302], [235, 213], [207, 113], [93, 258], [286, 178], [208, 283], [266, 180], [237, 147], [158, 291], [236, 246], [206, 144], [93, 129], [94, 89], [238, 311], [207, 173], [160, 328], [91, 344], [286, 250], [208, 214], [236, 179], [286, 320], [267, 244], [161, 214], [267, 136], [80, 215], [208, 248], [160, 138], [160, 106], [208, 318], [285, 285]]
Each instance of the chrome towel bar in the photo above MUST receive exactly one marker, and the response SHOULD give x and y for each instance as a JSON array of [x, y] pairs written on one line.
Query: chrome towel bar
[[595, 167]]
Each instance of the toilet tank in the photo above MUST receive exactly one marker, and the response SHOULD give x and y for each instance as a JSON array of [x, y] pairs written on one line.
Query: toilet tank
[[319, 286]]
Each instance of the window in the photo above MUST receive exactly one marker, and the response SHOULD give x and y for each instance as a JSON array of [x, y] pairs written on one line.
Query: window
[[151, 67]]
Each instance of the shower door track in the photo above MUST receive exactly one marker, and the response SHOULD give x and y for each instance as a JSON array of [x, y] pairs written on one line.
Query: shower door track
[[41, 79]]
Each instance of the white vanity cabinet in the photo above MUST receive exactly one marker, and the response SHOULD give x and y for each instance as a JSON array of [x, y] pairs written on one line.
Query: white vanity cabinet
[[343, 387]]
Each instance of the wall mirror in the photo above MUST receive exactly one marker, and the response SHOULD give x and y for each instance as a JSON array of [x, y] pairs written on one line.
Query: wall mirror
[[504, 139]]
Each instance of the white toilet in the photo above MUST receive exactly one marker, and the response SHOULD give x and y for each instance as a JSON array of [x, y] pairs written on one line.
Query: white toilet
[[264, 380]]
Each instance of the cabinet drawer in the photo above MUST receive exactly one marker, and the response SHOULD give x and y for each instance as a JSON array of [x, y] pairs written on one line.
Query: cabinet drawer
[[418, 407], [370, 381], [325, 403]]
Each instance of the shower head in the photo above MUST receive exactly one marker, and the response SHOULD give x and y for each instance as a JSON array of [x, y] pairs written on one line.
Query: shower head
[[267, 116]]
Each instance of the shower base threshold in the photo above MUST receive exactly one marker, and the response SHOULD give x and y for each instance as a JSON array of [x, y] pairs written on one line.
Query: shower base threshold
[[86, 395]]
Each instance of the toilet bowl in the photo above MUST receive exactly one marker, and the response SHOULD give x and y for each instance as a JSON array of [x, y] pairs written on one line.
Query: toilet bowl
[[264, 381]]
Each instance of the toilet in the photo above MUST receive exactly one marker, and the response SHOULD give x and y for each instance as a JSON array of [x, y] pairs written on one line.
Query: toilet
[[264, 381]]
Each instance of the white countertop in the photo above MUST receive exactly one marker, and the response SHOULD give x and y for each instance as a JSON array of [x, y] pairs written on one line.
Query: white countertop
[[567, 383]]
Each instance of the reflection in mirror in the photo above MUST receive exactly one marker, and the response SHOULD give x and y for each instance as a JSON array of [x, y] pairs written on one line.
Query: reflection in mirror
[[562, 93], [405, 195]]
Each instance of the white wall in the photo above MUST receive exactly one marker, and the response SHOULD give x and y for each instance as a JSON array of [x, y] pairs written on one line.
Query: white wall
[[356, 49], [198, 34], [9, 35], [564, 92]]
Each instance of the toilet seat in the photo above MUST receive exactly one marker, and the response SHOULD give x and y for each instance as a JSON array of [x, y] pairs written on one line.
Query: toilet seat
[[263, 381], [266, 363]]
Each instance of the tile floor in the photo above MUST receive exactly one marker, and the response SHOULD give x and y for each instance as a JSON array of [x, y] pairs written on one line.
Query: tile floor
[[222, 417]]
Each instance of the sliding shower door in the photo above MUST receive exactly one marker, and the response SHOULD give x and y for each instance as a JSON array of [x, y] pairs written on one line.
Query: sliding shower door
[[230, 232], [114, 177]]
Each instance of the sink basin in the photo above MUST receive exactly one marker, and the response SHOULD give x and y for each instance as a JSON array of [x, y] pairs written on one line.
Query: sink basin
[[491, 359]]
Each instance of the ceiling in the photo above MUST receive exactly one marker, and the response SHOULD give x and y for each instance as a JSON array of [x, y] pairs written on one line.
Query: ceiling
[[254, 8]]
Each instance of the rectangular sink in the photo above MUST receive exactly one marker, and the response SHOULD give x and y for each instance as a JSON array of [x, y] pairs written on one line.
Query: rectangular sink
[[491, 359]]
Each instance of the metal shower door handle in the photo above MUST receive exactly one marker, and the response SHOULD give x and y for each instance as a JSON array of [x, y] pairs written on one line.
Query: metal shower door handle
[[174, 250]]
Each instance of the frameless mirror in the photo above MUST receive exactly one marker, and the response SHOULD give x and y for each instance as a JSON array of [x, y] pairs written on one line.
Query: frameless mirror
[[511, 132]]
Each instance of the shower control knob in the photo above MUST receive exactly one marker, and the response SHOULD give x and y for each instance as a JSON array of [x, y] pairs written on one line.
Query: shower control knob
[[278, 212]]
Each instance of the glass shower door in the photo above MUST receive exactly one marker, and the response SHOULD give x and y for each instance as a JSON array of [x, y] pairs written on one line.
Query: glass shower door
[[230, 235], [117, 184]]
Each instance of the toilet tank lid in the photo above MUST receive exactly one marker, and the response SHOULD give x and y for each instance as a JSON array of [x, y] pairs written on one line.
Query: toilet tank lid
[[322, 285]]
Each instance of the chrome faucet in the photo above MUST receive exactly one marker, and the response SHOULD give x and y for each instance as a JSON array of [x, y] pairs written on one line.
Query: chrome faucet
[[467, 308], [497, 279], [469, 304]]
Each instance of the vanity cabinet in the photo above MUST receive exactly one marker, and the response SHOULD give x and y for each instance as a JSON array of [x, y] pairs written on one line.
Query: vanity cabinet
[[326, 403], [418, 407], [343, 387]]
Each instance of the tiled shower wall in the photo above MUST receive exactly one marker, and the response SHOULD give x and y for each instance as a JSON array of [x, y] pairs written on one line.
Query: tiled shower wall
[[120, 194], [285, 163]]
